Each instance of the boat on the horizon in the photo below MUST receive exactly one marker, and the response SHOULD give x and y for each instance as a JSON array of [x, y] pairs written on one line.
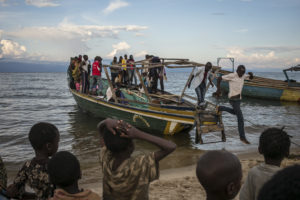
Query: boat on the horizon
[[267, 88], [160, 113]]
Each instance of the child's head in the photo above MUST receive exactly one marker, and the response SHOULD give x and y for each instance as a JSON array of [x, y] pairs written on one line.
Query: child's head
[[220, 174], [64, 169], [274, 144], [115, 143], [44, 137], [284, 184]]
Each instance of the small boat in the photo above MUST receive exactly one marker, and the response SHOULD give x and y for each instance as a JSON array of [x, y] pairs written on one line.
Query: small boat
[[266, 88], [159, 113]]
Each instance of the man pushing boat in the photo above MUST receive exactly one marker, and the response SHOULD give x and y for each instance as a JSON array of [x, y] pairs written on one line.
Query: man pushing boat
[[236, 83]]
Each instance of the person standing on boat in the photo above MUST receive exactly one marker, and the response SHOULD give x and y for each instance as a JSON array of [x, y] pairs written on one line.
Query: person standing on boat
[[199, 79], [114, 71], [96, 72], [124, 67], [154, 74], [236, 83], [131, 71], [84, 75]]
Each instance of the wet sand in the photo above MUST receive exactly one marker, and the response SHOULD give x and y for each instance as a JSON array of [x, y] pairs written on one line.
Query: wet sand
[[181, 183]]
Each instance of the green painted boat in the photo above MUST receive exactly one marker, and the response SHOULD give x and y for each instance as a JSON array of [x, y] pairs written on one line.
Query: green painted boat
[[266, 88], [160, 113]]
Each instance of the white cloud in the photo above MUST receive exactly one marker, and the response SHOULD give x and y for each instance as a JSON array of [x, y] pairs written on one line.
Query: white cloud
[[139, 34], [255, 57], [118, 48], [3, 3], [68, 31], [42, 3], [114, 5], [11, 49], [141, 54]]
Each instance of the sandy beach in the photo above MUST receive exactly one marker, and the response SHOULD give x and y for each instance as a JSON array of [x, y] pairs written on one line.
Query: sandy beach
[[181, 183]]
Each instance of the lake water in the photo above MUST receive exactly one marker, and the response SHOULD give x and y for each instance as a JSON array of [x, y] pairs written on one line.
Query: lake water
[[28, 98]]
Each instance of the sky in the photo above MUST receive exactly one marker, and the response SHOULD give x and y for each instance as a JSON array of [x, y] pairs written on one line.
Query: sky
[[262, 34]]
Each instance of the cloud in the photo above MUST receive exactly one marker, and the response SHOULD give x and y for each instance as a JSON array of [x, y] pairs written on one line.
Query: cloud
[[68, 31], [42, 3], [118, 48], [264, 57], [3, 3], [11, 49], [139, 34], [141, 54], [114, 5]]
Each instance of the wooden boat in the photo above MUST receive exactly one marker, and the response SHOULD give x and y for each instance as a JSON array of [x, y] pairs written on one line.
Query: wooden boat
[[266, 88], [160, 113]]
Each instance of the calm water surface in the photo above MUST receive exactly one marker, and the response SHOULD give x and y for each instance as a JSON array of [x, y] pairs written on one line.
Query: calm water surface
[[28, 98]]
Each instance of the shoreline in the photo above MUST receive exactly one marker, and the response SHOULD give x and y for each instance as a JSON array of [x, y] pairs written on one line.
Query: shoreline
[[181, 183]]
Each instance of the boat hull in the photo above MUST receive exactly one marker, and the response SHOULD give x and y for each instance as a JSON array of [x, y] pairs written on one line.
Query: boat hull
[[152, 121], [268, 89]]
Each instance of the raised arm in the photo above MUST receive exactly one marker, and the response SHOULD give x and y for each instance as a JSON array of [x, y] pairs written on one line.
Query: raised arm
[[166, 146]]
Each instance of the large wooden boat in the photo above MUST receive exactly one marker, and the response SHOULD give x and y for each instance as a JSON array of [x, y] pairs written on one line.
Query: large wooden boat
[[266, 88], [160, 113]]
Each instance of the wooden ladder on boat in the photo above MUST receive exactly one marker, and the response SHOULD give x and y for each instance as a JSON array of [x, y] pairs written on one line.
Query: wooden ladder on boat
[[200, 131]]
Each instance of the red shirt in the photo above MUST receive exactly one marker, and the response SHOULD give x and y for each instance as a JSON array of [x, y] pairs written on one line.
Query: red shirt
[[96, 71], [130, 63]]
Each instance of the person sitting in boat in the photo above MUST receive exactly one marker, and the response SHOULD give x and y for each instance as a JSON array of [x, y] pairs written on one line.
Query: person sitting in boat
[[126, 176], [96, 72], [236, 83], [199, 79], [220, 174]]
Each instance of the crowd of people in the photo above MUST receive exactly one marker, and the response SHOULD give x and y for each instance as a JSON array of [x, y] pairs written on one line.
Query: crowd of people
[[54, 175], [87, 78]]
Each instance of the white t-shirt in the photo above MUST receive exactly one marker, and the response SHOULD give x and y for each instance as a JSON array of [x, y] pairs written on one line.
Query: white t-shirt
[[108, 94], [85, 66], [257, 177], [236, 83], [199, 75]]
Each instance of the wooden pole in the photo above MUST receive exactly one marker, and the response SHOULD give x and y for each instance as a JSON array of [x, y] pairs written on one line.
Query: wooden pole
[[110, 85], [187, 83], [143, 85]]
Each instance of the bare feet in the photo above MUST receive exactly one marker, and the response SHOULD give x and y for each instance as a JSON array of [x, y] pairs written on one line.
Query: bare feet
[[244, 140]]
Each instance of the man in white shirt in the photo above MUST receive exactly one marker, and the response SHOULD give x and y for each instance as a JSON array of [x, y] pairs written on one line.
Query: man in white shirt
[[85, 75], [199, 79], [236, 83]]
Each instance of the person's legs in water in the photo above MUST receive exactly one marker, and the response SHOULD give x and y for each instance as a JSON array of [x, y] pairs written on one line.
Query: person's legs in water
[[236, 110]]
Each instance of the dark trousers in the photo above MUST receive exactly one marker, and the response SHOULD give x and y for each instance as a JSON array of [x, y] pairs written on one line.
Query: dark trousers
[[85, 84], [200, 91], [236, 110], [161, 81], [113, 76]]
